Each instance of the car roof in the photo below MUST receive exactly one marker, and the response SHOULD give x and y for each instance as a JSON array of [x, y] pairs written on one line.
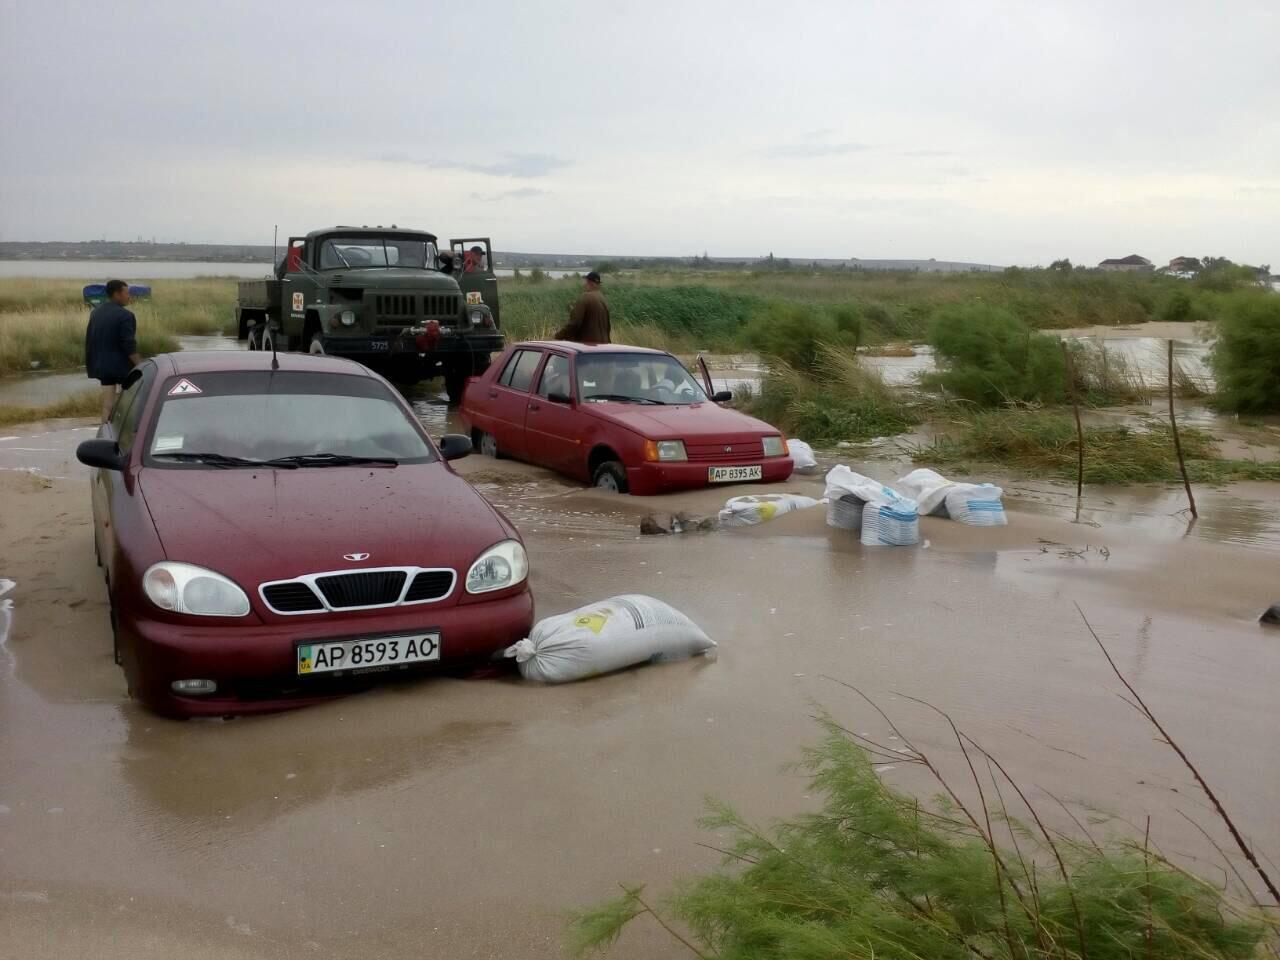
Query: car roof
[[217, 361], [570, 346]]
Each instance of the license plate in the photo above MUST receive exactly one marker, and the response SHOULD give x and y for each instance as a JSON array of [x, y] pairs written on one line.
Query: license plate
[[733, 474], [376, 345], [329, 655]]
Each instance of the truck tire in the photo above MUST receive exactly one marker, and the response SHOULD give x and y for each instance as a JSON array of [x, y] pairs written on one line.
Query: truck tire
[[455, 382]]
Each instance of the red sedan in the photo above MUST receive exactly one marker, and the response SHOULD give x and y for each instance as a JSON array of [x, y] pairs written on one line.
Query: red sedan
[[275, 536], [622, 418]]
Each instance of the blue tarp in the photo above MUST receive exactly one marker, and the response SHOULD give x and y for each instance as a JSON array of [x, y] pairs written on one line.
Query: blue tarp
[[97, 292]]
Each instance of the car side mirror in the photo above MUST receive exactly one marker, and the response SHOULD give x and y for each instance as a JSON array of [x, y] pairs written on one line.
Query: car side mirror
[[453, 446], [559, 398], [103, 454], [724, 396]]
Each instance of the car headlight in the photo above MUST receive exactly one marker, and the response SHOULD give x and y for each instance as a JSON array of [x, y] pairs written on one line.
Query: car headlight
[[774, 446], [348, 317], [665, 450], [185, 588], [499, 567], [477, 318]]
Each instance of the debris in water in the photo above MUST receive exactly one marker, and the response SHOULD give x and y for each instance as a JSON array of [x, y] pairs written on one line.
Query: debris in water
[[1272, 616]]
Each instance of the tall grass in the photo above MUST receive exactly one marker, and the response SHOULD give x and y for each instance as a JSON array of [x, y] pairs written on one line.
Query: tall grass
[[86, 403], [840, 398]]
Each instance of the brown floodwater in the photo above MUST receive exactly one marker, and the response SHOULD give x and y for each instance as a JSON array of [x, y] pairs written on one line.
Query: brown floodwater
[[461, 817]]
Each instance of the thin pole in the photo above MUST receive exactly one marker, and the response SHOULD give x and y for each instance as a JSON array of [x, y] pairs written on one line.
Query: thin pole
[[275, 243], [1075, 406], [1177, 443]]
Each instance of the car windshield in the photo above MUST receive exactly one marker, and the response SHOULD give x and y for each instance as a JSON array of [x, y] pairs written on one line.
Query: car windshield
[[354, 253], [636, 378], [295, 419]]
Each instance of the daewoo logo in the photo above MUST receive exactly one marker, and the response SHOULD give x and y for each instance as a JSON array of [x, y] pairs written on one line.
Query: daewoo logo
[[355, 556]]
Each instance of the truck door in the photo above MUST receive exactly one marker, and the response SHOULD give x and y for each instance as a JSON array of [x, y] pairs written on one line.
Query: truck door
[[474, 272]]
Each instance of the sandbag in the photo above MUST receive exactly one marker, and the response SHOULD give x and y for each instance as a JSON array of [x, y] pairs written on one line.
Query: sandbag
[[746, 511], [845, 513], [606, 636], [977, 504], [802, 456], [890, 524], [928, 489]]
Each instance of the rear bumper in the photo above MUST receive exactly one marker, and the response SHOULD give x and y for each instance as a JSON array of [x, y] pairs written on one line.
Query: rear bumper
[[255, 666], [652, 478]]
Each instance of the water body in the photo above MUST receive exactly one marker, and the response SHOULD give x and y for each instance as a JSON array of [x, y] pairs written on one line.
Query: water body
[[98, 271]]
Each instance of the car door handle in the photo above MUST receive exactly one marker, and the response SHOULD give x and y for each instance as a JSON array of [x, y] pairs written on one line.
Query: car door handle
[[535, 406], [493, 394]]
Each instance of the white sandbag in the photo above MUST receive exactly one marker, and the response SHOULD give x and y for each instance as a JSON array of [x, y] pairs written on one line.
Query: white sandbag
[[890, 524], [606, 636], [746, 511], [928, 489], [802, 456], [845, 513], [843, 480], [978, 504]]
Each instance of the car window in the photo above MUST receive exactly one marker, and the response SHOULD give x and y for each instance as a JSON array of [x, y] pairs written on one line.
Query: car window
[[520, 370], [129, 424], [656, 378], [256, 415], [555, 377]]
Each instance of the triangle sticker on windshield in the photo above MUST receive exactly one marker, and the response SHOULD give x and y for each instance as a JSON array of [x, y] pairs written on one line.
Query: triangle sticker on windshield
[[184, 388]]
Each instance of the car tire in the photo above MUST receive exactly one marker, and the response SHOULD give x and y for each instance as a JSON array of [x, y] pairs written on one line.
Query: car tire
[[487, 444], [317, 343], [611, 476]]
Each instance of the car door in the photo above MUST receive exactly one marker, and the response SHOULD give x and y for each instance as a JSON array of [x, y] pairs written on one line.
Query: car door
[[111, 487], [553, 428], [508, 400]]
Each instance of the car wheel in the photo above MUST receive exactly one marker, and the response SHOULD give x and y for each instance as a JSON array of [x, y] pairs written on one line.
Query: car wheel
[[317, 343], [488, 445], [611, 476]]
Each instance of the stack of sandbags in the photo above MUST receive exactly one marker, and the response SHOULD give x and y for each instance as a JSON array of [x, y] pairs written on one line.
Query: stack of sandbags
[[887, 518]]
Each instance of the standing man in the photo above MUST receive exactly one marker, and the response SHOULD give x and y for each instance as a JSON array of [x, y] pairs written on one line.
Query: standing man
[[111, 343], [589, 315]]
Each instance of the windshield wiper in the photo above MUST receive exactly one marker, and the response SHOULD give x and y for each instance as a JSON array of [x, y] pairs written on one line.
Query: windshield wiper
[[215, 460], [330, 460], [623, 398]]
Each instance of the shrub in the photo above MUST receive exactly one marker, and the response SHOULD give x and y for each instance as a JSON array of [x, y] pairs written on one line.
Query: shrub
[[796, 334], [1179, 306], [990, 357], [1246, 356]]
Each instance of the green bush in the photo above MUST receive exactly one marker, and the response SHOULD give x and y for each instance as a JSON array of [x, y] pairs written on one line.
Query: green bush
[[1179, 306], [991, 358], [876, 875], [796, 334], [1246, 356]]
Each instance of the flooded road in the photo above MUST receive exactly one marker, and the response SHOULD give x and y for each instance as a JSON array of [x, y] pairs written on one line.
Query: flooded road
[[455, 817]]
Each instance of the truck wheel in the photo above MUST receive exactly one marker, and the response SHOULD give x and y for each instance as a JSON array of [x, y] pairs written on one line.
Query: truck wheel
[[317, 343], [611, 476], [455, 382]]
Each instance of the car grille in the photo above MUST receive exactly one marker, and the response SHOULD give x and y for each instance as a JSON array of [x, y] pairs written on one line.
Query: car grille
[[411, 309], [743, 450], [362, 589], [358, 589], [295, 597]]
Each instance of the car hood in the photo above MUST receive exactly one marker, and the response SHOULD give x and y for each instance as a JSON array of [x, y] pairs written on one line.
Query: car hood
[[395, 278], [258, 525], [695, 420]]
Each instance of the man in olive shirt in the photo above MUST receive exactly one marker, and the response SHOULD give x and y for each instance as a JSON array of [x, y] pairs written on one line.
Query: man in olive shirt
[[111, 343], [589, 316]]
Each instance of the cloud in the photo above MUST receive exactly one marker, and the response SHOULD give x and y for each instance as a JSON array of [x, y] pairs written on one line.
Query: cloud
[[1259, 189], [812, 150], [507, 165], [929, 153], [521, 193]]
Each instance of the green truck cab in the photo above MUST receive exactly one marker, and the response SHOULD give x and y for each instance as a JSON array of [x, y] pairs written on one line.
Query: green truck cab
[[387, 297]]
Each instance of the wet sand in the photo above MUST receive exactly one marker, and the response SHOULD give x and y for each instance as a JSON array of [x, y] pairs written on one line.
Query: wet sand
[[459, 818]]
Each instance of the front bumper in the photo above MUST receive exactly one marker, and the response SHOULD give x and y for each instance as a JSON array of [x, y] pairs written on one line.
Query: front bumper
[[385, 346], [255, 666], [651, 478]]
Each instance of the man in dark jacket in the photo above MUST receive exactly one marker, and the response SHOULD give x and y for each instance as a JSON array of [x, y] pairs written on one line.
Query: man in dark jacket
[[111, 343], [589, 316]]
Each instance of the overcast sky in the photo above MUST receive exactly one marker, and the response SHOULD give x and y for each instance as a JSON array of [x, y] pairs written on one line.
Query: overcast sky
[[993, 132]]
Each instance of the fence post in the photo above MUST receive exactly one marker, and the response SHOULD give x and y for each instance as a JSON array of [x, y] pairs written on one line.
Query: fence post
[[1075, 406], [1177, 443]]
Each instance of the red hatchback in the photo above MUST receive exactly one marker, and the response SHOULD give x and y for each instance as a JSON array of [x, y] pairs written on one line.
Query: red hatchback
[[273, 536], [622, 418]]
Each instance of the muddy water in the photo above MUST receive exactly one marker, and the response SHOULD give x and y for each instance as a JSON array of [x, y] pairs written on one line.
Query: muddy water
[[459, 818]]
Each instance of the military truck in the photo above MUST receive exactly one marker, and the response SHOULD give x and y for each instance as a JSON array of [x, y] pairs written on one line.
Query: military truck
[[387, 297]]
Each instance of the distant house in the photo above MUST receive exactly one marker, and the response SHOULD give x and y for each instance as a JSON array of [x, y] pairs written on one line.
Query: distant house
[[1184, 265], [1132, 263]]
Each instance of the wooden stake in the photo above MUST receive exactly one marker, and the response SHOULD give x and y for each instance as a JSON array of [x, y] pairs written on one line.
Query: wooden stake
[[1177, 443], [1075, 405]]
